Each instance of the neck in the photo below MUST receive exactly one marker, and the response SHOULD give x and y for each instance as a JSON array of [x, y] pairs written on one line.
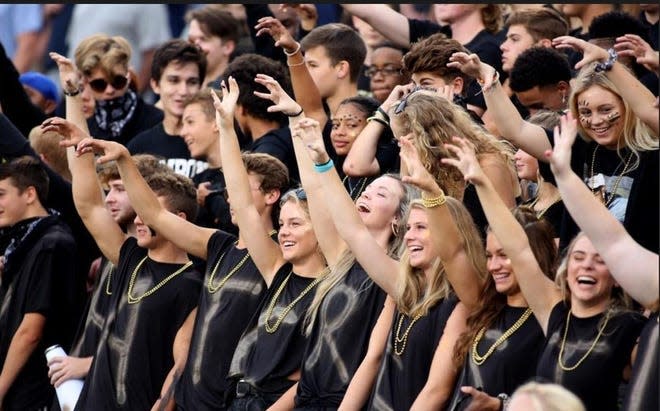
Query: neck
[[213, 74], [516, 300], [345, 90], [266, 223], [582, 309], [547, 195], [467, 28], [382, 236], [310, 267], [36, 210], [172, 124], [259, 128], [168, 253], [213, 155], [652, 16]]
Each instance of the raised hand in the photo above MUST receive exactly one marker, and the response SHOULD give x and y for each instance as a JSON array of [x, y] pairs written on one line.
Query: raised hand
[[282, 102], [418, 175], [109, 150], [466, 160], [274, 28], [397, 93], [632, 45], [590, 52], [224, 109], [70, 78], [472, 66], [307, 14], [309, 131], [560, 156], [72, 134]]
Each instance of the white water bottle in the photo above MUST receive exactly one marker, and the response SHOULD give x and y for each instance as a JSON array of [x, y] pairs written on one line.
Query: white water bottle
[[69, 391]]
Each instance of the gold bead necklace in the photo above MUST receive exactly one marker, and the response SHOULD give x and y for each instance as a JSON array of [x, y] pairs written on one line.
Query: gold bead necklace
[[563, 343], [131, 283], [401, 341], [212, 289], [269, 312], [108, 288], [479, 359]]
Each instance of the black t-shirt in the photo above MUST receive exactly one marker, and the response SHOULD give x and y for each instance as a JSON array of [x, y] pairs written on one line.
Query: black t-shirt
[[135, 350], [266, 359], [278, 143], [636, 200], [339, 339], [40, 279], [511, 363], [356, 185], [215, 212], [596, 380], [172, 148], [553, 214], [402, 376], [145, 117], [642, 391], [87, 338], [223, 313]]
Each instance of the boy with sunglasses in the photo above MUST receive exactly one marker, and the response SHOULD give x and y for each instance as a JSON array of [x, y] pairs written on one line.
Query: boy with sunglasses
[[119, 112], [177, 72]]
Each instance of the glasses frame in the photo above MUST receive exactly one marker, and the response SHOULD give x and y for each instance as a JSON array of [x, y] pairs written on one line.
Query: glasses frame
[[385, 71], [118, 82]]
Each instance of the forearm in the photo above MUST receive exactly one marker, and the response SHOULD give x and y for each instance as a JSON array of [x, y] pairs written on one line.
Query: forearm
[[638, 96], [25, 56], [143, 200], [286, 401], [305, 90], [388, 22], [237, 183], [361, 158], [358, 391], [21, 347]]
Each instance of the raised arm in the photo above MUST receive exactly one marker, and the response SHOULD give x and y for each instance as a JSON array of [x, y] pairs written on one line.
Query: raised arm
[[329, 240], [464, 277], [304, 89], [371, 256], [265, 253], [361, 158], [364, 378], [522, 134], [634, 267], [385, 20], [539, 291], [638, 96]]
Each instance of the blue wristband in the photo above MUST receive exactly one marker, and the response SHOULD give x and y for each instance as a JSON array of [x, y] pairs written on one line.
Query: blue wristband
[[322, 168]]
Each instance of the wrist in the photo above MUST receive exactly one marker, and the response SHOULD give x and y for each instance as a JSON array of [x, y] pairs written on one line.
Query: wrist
[[607, 65], [73, 91], [295, 113], [293, 52]]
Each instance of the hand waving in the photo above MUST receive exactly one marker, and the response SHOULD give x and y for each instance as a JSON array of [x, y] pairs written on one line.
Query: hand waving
[[109, 150], [472, 66], [282, 102], [72, 134], [224, 109], [560, 155], [590, 52], [466, 160], [634, 46], [274, 28], [418, 175], [309, 131], [70, 78]]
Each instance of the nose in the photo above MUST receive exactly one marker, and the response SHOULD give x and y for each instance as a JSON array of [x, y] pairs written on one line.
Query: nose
[[138, 220], [518, 154], [504, 45], [492, 264]]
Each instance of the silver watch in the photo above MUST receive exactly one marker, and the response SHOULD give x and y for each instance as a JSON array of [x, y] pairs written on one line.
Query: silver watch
[[504, 401]]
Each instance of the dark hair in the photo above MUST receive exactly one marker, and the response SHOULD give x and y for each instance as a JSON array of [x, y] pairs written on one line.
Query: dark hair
[[215, 21], [178, 51], [273, 173], [541, 23], [616, 23], [368, 106], [390, 45], [178, 190], [431, 54], [341, 43], [539, 66], [146, 164], [540, 236], [25, 172], [244, 69]]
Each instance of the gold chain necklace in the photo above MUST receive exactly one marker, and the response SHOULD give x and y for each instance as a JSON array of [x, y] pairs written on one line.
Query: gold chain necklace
[[401, 341], [131, 283], [212, 289], [108, 288], [602, 191], [363, 182], [563, 343], [269, 312], [478, 359]]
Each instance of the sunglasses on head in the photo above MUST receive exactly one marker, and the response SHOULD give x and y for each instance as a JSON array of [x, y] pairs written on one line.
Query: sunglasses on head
[[118, 82], [404, 102], [298, 192]]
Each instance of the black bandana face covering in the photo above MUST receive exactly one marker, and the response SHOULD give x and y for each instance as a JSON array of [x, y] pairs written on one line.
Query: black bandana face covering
[[114, 114]]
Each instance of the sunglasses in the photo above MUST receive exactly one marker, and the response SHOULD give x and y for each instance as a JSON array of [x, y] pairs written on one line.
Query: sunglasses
[[298, 192], [402, 105], [100, 84]]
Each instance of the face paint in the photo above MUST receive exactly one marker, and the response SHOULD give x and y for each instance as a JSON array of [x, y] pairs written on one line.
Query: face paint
[[613, 117]]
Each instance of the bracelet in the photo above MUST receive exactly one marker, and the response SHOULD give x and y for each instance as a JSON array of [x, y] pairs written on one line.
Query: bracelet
[[294, 52], [381, 116], [607, 65], [378, 120], [302, 63], [295, 114], [496, 78], [386, 117], [435, 201], [322, 168], [73, 93]]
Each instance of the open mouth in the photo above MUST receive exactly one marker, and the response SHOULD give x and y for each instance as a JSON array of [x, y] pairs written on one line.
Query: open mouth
[[288, 244], [601, 130], [500, 276], [362, 208], [585, 279]]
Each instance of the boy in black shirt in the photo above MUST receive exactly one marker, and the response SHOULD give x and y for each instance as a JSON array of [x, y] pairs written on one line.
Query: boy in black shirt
[[38, 288]]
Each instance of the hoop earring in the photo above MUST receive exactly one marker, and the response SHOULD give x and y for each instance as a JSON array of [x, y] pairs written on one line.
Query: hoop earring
[[394, 227], [563, 98]]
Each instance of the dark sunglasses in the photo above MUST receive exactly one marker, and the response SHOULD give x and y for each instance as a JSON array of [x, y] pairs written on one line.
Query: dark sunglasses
[[402, 105], [298, 192], [100, 84]]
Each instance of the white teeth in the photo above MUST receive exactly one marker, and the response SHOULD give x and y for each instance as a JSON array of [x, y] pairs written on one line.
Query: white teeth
[[288, 243], [583, 279], [416, 248], [363, 208]]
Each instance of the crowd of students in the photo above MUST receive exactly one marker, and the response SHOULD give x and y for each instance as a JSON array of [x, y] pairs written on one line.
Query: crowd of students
[[382, 213]]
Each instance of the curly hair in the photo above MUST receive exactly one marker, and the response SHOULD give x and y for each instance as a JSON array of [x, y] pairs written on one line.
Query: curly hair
[[539, 66]]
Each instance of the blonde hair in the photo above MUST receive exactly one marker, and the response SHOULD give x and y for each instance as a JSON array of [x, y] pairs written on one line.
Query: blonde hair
[[636, 135], [434, 121], [417, 296], [104, 52], [549, 397]]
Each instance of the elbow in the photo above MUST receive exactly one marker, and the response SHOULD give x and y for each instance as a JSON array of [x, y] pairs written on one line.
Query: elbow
[[30, 336], [350, 168]]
